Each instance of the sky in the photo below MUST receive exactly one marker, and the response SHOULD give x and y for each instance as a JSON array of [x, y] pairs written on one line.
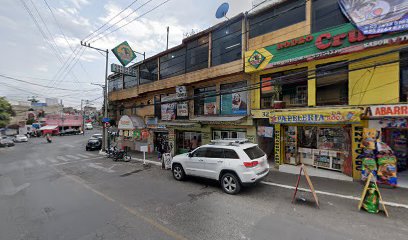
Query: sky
[[43, 57]]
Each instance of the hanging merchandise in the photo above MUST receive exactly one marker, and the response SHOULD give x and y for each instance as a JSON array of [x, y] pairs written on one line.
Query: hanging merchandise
[[371, 200], [387, 171], [369, 165]]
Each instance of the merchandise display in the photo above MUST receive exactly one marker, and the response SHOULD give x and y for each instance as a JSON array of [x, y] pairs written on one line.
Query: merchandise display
[[371, 200], [368, 165], [387, 171], [291, 148]]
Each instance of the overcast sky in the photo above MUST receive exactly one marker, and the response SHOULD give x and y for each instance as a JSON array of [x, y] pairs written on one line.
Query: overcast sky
[[26, 55]]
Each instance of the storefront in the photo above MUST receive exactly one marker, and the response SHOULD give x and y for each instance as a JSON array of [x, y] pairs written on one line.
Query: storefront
[[321, 138], [132, 133], [390, 122]]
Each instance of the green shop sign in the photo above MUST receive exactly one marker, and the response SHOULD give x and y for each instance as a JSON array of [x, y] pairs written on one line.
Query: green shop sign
[[333, 42], [124, 53]]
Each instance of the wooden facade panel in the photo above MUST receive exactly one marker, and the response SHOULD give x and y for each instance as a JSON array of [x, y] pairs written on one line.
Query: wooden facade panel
[[196, 76]]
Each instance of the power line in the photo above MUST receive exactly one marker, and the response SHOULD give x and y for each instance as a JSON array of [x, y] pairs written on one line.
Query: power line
[[84, 39], [40, 85], [154, 8], [112, 25]]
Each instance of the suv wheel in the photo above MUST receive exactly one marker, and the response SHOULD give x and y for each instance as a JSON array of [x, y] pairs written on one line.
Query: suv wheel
[[178, 172], [230, 183]]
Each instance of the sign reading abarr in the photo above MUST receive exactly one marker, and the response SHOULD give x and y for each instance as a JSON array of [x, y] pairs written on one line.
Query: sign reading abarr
[[124, 53]]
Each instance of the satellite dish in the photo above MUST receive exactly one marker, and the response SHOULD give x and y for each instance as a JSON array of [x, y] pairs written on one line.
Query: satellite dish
[[222, 10]]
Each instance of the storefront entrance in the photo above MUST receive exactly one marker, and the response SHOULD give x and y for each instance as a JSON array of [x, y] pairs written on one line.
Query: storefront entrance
[[396, 138], [187, 141], [160, 138], [323, 147]]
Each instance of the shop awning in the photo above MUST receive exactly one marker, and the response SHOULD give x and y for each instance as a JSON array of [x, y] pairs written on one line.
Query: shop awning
[[48, 127], [131, 122], [217, 119], [176, 124]]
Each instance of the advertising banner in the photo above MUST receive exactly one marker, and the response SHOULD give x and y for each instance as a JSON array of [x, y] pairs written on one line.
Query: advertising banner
[[398, 110], [210, 105], [266, 132], [124, 53], [168, 110], [234, 104], [341, 40], [376, 16], [182, 109], [316, 117]]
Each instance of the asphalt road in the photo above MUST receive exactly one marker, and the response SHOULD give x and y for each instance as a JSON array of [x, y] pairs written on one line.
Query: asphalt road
[[60, 191]]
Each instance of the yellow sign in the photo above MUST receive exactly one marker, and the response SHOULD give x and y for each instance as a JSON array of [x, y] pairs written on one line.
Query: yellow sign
[[261, 113], [277, 145], [315, 117]]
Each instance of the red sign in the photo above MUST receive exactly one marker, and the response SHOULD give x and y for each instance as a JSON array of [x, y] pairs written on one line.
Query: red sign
[[400, 110]]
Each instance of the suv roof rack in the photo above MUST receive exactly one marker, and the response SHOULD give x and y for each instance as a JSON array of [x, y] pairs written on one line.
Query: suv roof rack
[[229, 141]]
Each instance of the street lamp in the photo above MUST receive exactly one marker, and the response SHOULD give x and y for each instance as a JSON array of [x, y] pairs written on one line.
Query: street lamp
[[105, 94]]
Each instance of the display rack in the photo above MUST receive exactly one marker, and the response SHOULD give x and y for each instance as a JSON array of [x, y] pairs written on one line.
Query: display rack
[[291, 146]]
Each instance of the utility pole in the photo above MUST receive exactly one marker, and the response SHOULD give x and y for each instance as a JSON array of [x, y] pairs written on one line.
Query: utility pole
[[83, 115], [167, 42], [105, 94]]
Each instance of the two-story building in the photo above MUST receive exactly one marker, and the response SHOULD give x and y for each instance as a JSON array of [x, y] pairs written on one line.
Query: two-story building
[[321, 81], [187, 95], [296, 77]]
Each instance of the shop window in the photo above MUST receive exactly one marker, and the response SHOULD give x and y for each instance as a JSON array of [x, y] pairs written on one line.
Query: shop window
[[122, 111], [157, 107], [289, 87], [326, 14], [197, 54], [115, 83], [205, 101], [226, 44], [130, 81], [170, 109], [223, 134], [234, 103], [173, 64], [332, 84], [187, 141], [404, 77], [277, 17], [148, 72]]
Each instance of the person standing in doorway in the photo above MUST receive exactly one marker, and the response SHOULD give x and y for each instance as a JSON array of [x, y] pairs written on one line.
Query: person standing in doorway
[[193, 143]]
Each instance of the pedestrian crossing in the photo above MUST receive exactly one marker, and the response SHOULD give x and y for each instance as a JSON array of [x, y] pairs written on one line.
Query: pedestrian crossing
[[40, 162]]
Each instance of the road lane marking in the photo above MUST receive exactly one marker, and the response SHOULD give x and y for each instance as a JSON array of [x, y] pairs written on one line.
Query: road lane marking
[[89, 154], [132, 211], [73, 157], [62, 158], [83, 160], [82, 155], [69, 145], [40, 162], [28, 164], [393, 204], [49, 159]]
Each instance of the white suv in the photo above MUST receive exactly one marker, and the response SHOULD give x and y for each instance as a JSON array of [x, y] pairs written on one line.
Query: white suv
[[232, 162]]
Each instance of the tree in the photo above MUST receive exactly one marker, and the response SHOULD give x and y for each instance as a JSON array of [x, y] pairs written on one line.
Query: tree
[[6, 112]]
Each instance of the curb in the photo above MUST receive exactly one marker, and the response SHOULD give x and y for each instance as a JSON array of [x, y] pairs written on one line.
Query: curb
[[392, 204], [148, 161]]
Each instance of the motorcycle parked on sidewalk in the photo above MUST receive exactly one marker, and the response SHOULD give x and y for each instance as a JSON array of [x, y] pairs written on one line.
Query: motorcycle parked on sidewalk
[[121, 155]]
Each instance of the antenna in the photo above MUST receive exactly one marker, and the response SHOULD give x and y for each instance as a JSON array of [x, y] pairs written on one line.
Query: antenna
[[222, 11]]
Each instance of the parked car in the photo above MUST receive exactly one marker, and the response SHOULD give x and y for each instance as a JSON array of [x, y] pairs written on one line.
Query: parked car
[[6, 142], [97, 135], [94, 144], [232, 162], [70, 131], [20, 138], [88, 126]]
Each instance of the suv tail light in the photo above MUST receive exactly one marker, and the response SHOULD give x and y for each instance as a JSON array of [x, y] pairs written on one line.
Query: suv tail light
[[251, 164]]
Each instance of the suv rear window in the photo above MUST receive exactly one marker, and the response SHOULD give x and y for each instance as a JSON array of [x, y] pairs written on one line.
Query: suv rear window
[[254, 152]]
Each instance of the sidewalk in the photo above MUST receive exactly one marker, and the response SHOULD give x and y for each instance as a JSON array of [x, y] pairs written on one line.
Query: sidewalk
[[348, 188], [397, 195]]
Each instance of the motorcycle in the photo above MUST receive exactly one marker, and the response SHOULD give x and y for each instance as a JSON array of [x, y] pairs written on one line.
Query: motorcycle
[[112, 151], [121, 155]]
